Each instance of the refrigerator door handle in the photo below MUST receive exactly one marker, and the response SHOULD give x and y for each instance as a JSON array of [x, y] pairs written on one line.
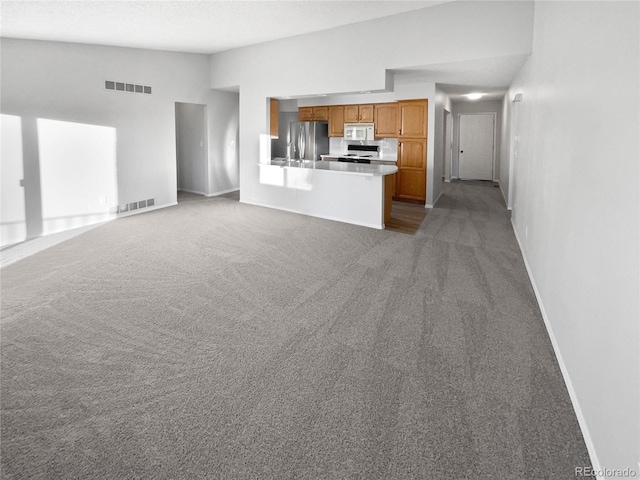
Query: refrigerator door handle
[[301, 142]]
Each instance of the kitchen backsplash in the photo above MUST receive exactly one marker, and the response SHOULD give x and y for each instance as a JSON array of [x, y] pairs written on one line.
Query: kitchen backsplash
[[388, 146]]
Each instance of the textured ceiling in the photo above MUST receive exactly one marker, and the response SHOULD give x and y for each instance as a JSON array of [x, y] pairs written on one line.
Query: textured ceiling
[[185, 26]]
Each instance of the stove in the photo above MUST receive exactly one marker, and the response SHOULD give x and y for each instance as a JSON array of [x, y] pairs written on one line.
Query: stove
[[359, 153]]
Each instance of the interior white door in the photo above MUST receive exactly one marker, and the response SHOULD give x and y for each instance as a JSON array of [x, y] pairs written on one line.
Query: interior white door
[[476, 147]]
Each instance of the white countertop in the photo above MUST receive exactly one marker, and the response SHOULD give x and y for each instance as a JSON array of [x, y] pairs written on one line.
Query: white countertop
[[337, 167], [381, 158]]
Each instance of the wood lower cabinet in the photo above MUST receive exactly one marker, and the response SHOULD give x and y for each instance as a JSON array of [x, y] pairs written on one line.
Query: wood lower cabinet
[[358, 114], [386, 120], [313, 114], [336, 121], [411, 183]]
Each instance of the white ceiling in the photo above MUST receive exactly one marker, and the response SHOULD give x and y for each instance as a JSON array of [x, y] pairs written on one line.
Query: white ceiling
[[186, 25], [489, 76], [210, 26]]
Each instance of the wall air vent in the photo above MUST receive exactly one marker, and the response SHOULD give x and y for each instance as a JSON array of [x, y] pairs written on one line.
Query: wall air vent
[[128, 207], [127, 87]]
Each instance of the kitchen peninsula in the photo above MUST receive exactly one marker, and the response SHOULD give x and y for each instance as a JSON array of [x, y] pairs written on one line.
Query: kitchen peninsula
[[360, 194]]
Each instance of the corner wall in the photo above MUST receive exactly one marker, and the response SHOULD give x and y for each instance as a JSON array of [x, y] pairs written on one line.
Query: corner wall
[[315, 63], [443, 102], [576, 209], [65, 81], [224, 135]]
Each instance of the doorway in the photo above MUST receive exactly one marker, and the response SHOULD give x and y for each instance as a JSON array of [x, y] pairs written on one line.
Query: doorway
[[191, 149], [476, 145]]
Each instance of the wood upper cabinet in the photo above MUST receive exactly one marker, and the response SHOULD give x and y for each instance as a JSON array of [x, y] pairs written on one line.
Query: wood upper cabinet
[[305, 114], [351, 114], [336, 121], [358, 114], [386, 119], [411, 183], [313, 114], [320, 114], [273, 118], [366, 114], [412, 119]]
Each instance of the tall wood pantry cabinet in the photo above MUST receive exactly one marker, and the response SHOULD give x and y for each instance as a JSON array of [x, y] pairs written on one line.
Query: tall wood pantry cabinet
[[411, 182]]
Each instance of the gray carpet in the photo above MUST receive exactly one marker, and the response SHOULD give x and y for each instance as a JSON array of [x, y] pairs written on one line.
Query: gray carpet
[[219, 340]]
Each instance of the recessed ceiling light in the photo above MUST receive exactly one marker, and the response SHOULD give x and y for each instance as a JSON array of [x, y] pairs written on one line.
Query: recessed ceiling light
[[474, 96]]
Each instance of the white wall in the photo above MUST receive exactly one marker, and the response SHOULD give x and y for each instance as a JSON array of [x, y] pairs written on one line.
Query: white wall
[[319, 63], [479, 106], [223, 116], [13, 221], [65, 81], [577, 208], [443, 102], [507, 147]]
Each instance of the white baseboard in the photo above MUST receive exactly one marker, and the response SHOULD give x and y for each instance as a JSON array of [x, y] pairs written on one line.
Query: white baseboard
[[325, 217], [145, 210], [504, 196], [595, 463], [192, 191], [429, 205], [222, 192]]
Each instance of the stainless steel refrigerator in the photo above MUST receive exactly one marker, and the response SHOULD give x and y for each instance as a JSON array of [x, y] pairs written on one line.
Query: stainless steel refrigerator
[[308, 140]]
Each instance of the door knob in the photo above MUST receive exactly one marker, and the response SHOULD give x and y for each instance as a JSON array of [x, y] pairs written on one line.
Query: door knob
[[461, 151]]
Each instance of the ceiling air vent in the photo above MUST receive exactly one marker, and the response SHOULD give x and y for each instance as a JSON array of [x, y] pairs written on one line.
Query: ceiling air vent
[[126, 87]]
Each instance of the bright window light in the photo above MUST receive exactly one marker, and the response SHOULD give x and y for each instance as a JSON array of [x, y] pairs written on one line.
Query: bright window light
[[77, 174]]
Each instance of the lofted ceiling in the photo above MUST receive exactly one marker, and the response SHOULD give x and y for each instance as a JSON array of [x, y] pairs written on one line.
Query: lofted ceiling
[[489, 76], [210, 26], [186, 25]]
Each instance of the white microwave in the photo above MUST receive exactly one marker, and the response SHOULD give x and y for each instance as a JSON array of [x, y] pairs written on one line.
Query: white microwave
[[359, 131]]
